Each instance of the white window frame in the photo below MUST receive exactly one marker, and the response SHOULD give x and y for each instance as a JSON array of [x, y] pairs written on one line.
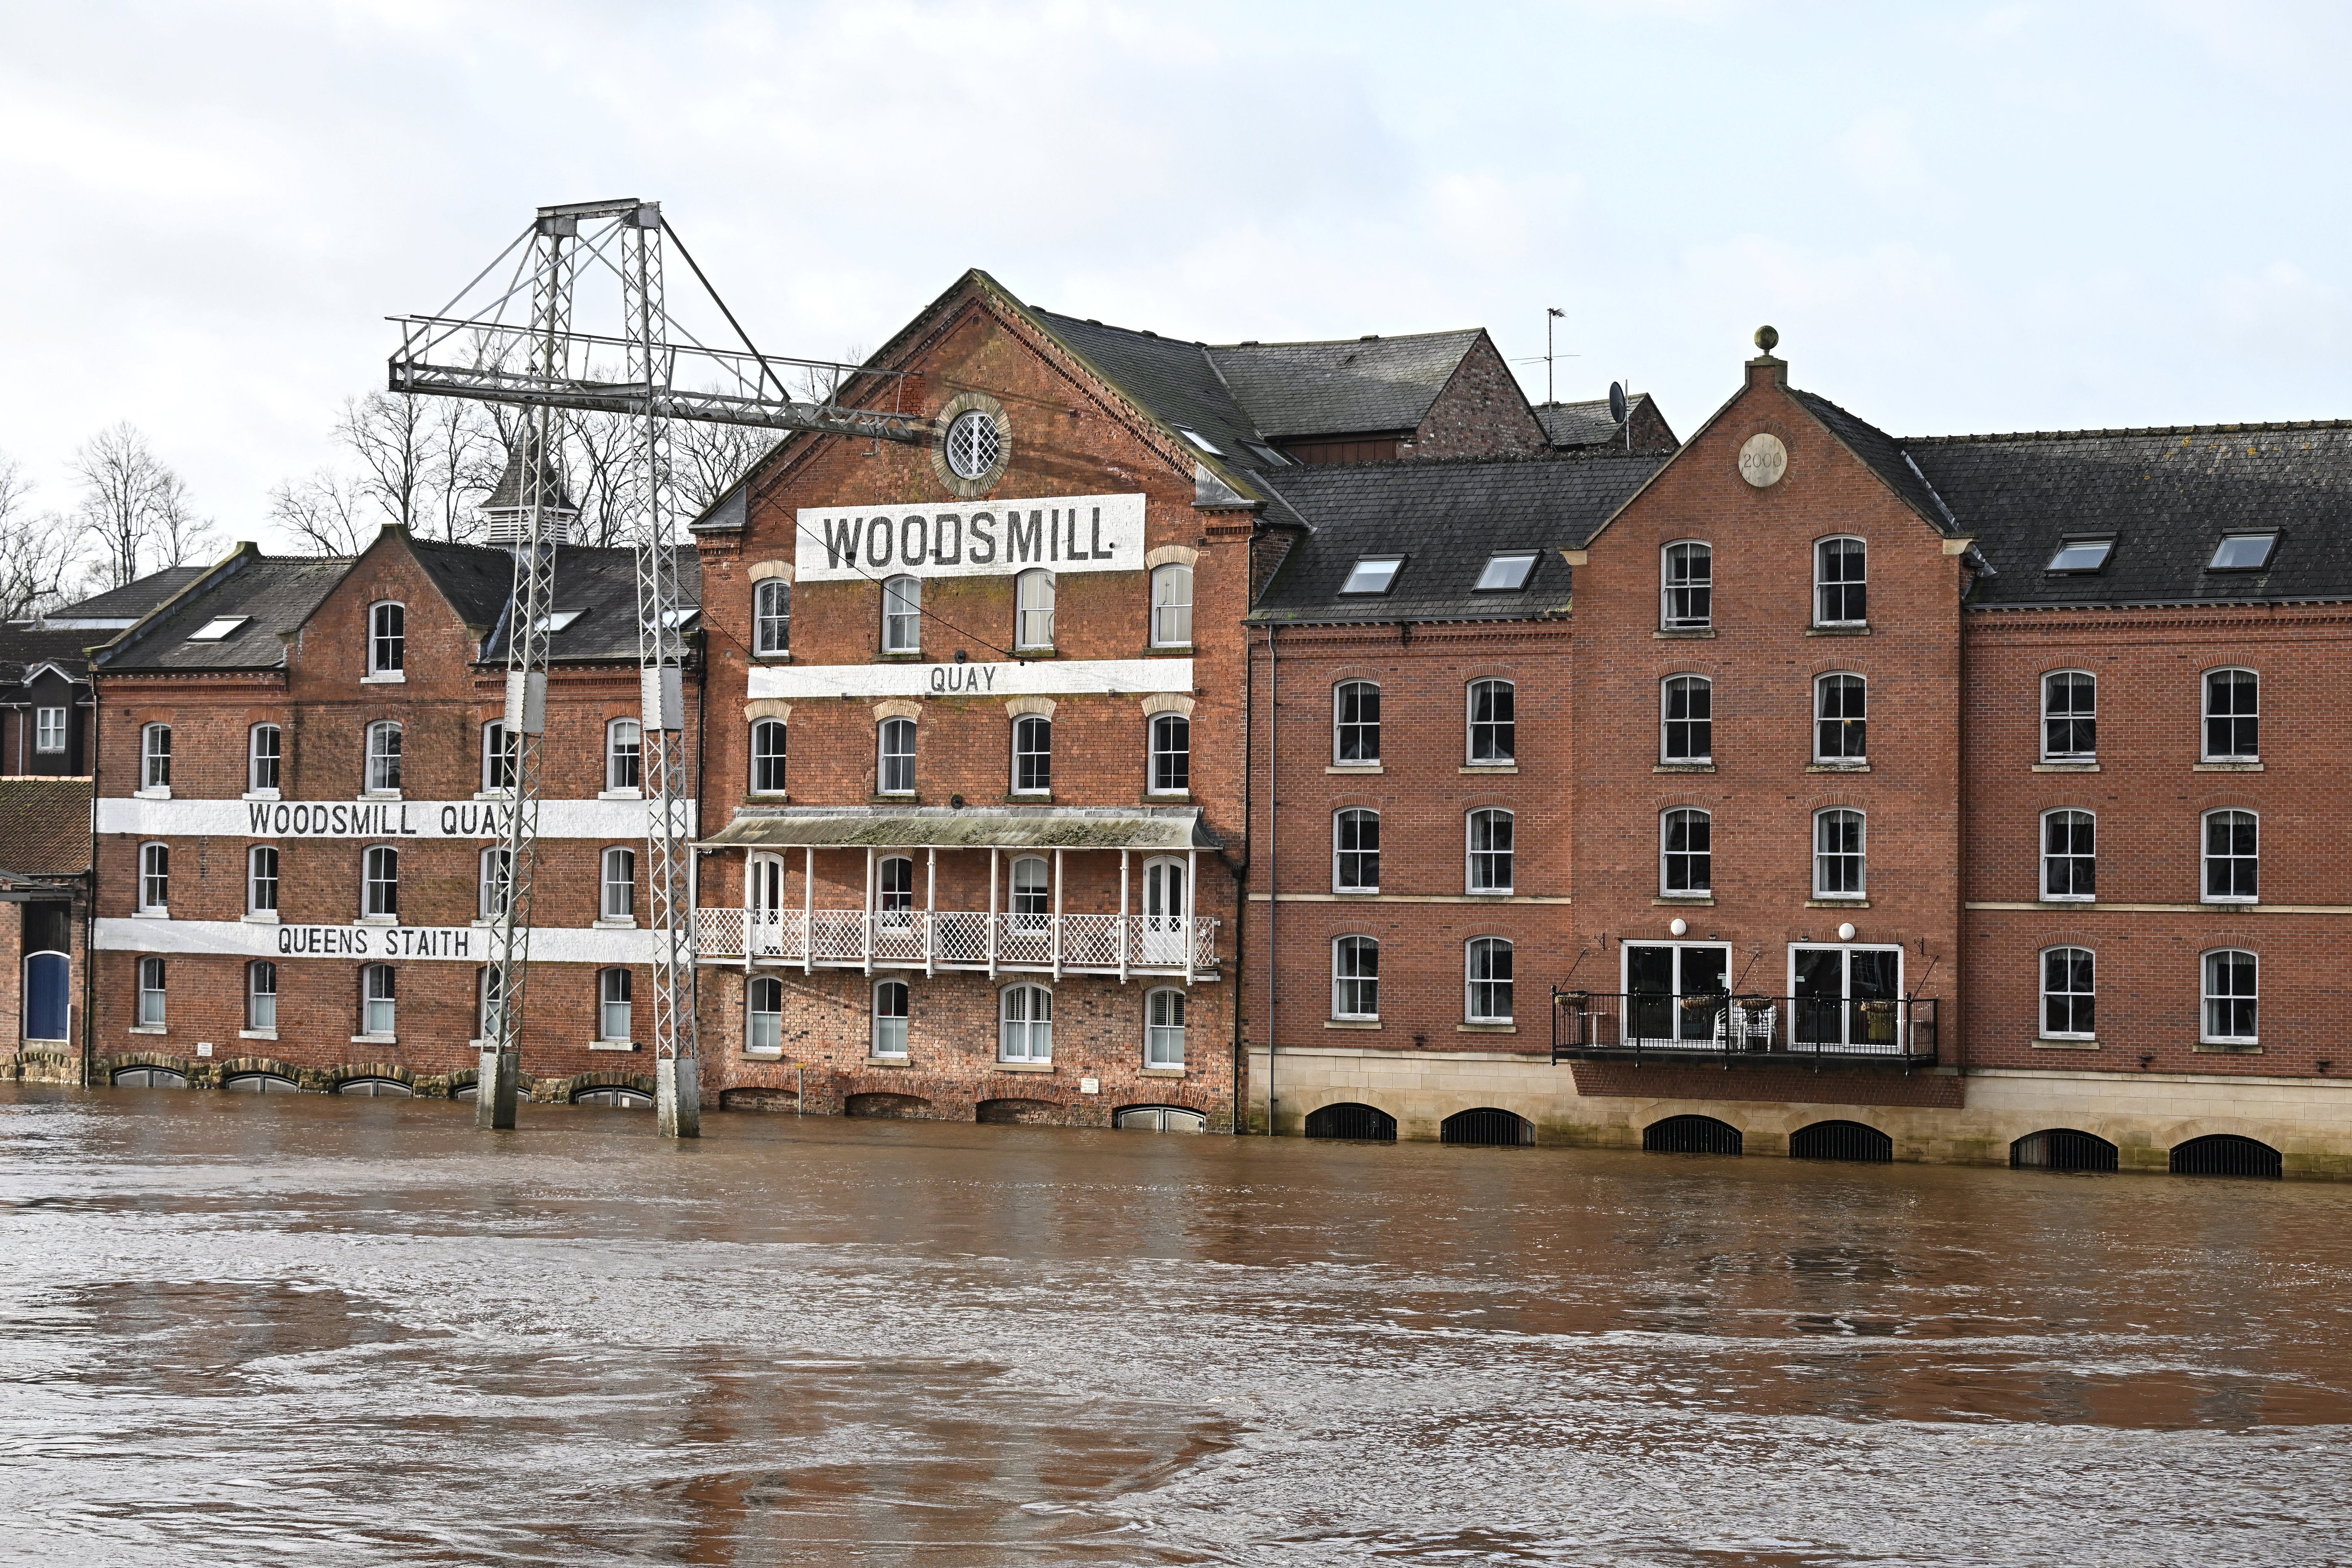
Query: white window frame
[[155, 760], [155, 995], [2042, 990], [1509, 757], [261, 892], [1669, 587], [615, 758], [1823, 685], [902, 615], [1471, 853], [1033, 1029], [1171, 605], [374, 766], [255, 757], [886, 1036], [894, 908], [49, 730], [607, 1004], [2207, 996], [1166, 724], [1862, 853], [884, 756], [1354, 941], [1341, 852], [1032, 724], [771, 619], [1471, 981], [387, 649], [379, 1010], [261, 1001], [370, 882], [1033, 610], [1666, 889], [1823, 587], [154, 875], [1339, 725], [2206, 717], [1163, 1043], [2047, 858], [1703, 685], [2070, 718], [781, 783], [491, 887], [2206, 858], [494, 738], [617, 895], [761, 1036], [1031, 905]]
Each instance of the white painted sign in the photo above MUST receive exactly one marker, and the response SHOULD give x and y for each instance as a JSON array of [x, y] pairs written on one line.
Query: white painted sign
[[1046, 677], [1062, 533], [619, 820], [468, 944]]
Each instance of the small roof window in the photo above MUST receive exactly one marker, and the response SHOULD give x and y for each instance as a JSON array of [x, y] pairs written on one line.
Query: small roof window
[[1267, 455], [561, 620], [2241, 553], [218, 628], [678, 616], [1372, 574], [2082, 554], [1506, 570], [1201, 441]]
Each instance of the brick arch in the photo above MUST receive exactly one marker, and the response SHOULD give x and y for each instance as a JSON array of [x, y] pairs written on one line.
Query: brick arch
[[308, 1078], [760, 570], [1167, 702], [337, 1075], [560, 1090], [1834, 800], [1171, 555], [1491, 672], [767, 708], [2227, 800], [1021, 707], [898, 708]]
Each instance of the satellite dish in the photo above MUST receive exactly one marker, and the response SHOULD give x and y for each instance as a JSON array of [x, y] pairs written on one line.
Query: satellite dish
[[1617, 402]]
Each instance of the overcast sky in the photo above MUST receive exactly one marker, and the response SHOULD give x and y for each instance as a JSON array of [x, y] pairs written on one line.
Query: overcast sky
[[1960, 218]]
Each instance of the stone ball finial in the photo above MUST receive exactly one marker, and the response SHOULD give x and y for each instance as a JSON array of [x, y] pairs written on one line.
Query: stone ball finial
[[1767, 339]]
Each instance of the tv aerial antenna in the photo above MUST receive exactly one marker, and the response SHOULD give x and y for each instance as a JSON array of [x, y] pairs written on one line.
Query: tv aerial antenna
[[509, 337]]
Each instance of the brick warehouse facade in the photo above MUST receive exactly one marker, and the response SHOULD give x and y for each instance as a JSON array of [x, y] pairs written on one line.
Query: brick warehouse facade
[[299, 783]]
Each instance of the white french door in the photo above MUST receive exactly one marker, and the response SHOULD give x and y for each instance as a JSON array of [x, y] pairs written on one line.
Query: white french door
[[1163, 912], [764, 898]]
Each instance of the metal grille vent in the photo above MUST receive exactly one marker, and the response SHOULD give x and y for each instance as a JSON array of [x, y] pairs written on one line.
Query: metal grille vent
[[2061, 1149], [1842, 1140], [1487, 1128], [1691, 1135], [1362, 1122], [2225, 1154]]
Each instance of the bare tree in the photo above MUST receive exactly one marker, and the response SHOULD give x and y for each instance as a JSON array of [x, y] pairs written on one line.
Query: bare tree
[[325, 511], [180, 535], [705, 460], [393, 438], [36, 550], [127, 494], [464, 436]]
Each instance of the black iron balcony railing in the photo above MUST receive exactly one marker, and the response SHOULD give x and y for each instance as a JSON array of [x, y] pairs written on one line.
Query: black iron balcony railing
[[1599, 1024]]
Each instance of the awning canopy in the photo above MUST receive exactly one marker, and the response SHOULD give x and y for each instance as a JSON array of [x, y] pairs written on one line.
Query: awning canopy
[[1157, 828]]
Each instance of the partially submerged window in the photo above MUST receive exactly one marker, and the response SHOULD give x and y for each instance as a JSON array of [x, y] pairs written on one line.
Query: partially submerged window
[[2082, 554], [1506, 570], [216, 628], [1372, 574], [2241, 553]]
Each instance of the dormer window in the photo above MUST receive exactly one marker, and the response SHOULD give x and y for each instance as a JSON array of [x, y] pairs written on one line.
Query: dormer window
[[2082, 554], [218, 627], [2241, 553], [387, 640], [1373, 574], [1201, 441], [560, 620], [1506, 571]]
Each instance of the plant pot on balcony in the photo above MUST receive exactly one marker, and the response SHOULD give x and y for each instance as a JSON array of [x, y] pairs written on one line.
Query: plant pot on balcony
[[1878, 1021]]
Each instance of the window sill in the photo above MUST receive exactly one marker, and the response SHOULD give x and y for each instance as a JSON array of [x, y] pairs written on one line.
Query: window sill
[[263, 918], [384, 920], [1684, 768], [1679, 632], [1837, 631], [1486, 892], [385, 678], [1164, 1072], [611, 1045], [2059, 901], [494, 794], [908, 799], [164, 792], [1684, 900], [1029, 797], [2229, 903], [1355, 893], [2065, 767], [600, 923], [621, 795], [1168, 650], [772, 799], [1351, 1023], [261, 795], [757, 1054], [1490, 768], [893, 1062], [377, 796], [899, 656], [1836, 903], [2049, 1044], [2226, 1049], [1355, 768], [1485, 1028], [151, 914], [1025, 1066], [257, 1034], [375, 1040], [1047, 651], [2226, 768], [784, 657], [1180, 797], [150, 1030], [1837, 767]]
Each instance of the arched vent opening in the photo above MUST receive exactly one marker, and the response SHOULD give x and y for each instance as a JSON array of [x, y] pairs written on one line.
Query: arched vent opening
[[1487, 1127], [2061, 1149], [1842, 1140], [1692, 1135], [2226, 1155], [1364, 1124]]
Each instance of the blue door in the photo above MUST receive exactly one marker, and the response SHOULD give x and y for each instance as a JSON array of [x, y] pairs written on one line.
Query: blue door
[[48, 996]]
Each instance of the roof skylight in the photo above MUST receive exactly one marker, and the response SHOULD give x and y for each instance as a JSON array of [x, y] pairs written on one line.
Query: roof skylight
[[1201, 441], [218, 628], [1506, 570], [561, 620], [2082, 554], [1372, 574], [2241, 553]]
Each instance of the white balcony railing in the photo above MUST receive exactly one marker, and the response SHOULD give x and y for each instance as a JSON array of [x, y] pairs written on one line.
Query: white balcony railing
[[957, 938]]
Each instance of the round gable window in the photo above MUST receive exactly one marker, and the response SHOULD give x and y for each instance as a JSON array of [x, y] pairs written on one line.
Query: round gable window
[[972, 445]]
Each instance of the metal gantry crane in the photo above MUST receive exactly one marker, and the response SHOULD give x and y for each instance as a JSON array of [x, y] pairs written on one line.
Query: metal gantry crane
[[545, 365]]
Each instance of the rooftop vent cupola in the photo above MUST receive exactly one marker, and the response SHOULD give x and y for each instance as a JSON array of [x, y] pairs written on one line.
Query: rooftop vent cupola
[[507, 510]]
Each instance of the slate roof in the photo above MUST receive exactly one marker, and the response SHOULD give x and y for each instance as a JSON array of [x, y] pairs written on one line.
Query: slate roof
[[1445, 518], [275, 594], [1586, 424], [1175, 380], [44, 826], [132, 600], [1885, 456], [2166, 496], [1344, 388], [21, 648], [602, 581], [510, 494]]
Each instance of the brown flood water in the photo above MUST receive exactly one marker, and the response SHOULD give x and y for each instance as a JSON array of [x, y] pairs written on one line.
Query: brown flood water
[[323, 1331]]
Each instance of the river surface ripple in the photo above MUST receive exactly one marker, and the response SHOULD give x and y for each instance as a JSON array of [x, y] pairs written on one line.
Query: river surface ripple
[[327, 1330]]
